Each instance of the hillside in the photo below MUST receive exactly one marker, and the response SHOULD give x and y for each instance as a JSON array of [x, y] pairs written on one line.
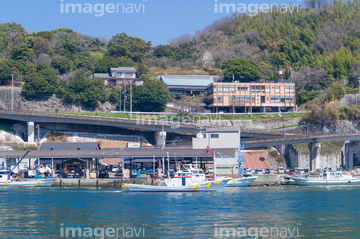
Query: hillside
[[320, 46]]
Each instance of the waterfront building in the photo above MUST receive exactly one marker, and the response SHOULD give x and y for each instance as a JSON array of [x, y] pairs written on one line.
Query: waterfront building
[[5, 163], [247, 97], [187, 84], [120, 76], [70, 164]]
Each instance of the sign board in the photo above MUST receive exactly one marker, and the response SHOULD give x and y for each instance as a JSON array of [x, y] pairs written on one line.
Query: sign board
[[133, 145]]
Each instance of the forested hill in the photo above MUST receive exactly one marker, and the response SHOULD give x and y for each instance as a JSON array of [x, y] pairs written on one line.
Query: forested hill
[[321, 45]]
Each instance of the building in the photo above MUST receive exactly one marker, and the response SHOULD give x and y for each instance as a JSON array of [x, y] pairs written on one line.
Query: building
[[187, 84], [6, 164], [251, 97], [70, 165], [120, 76]]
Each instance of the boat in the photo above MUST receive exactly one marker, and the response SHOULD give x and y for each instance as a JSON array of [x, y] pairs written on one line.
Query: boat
[[327, 177], [241, 181], [46, 182], [286, 180], [6, 180], [187, 180]]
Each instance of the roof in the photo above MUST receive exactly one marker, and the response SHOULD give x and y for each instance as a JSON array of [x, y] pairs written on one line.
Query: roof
[[126, 69], [5, 148], [227, 129], [187, 80], [117, 153], [101, 75], [70, 146]]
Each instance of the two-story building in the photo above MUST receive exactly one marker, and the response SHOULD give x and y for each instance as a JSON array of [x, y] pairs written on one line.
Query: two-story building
[[187, 84], [251, 97], [120, 76]]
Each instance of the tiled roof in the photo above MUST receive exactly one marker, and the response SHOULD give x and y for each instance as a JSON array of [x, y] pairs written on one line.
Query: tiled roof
[[125, 69], [70, 146], [187, 80]]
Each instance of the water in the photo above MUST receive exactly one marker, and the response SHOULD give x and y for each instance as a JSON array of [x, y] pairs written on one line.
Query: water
[[315, 212]]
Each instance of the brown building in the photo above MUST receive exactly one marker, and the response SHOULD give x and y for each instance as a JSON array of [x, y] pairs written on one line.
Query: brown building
[[251, 97]]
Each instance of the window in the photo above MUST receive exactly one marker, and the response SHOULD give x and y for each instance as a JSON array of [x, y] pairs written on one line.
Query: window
[[282, 99], [287, 99], [277, 90], [232, 99], [237, 99], [292, 89], [214, 89], [214, 136], [242, 88], [267, 89], [232, 88], [237, 88], [243, 99], [277, 99], [247, 99], [220, 99], [220, 88], [272, 99], [292, 99], [253, 99], [287, 89], [226, 88]]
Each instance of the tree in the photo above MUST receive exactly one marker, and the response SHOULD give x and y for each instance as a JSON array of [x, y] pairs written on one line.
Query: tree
[[123, 45], [103, 65], [21, 52], [62, 63], [41, 46], [5, 72], [244, 70], [164, 51], [152, 96]]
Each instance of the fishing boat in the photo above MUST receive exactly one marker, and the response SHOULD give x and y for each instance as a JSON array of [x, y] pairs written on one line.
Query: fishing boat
[[187, 180], [327, 177], [6, 180]]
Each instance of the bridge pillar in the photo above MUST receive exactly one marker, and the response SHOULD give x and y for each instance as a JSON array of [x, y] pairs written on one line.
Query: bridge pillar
[[31, 133], [314, 156], [160, 138]]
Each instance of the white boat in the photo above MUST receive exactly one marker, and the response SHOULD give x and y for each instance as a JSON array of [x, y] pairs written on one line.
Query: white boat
[[241, 182], [326, 177], [5, 182], [189, 180]]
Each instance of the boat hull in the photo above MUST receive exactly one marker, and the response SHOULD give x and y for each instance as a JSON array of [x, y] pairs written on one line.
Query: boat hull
[[202, 187], [241, 182], [30, 183], [314, 182]]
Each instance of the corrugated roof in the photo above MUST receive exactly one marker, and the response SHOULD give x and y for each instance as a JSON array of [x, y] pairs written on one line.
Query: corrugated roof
[[188, 80], [70, 146], [127, 69], [101, 75]]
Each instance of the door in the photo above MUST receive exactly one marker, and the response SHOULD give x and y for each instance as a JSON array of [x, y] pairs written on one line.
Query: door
[[183, 181]]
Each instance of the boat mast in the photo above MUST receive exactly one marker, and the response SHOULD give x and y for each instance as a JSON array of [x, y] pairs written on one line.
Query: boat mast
[[241, 157], [9, 174]]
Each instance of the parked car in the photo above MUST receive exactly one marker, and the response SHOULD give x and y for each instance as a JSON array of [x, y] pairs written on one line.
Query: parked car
[[292, 172], [259, 171], [272, 171], [280, 170], [287, 170], [301, 171], [115, 168], [267, 171]]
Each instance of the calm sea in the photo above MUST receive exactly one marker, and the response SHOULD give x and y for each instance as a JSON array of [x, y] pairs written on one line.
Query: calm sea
[[278, 212]]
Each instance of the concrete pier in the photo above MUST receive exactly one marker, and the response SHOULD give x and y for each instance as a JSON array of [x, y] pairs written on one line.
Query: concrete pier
[[314, 156], [31, 134], [100, 182]]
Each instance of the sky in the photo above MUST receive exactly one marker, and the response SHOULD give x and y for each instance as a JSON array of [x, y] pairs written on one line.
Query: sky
[[158, 21]]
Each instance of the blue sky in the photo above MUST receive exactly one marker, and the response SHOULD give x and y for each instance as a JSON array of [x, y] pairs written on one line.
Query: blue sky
[[157, 21]]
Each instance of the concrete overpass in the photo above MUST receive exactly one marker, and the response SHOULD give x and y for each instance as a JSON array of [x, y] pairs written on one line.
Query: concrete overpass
[[314, 141], [143, 123]]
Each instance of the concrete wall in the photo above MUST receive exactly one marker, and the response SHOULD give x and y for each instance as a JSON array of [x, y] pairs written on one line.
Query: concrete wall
[[301, 160]]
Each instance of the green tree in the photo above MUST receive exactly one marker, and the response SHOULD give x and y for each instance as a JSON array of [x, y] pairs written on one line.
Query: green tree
[[21, 52], [164, 51], [243, 70], [123, 45], [5, 72], [152, 96], [62, 63]]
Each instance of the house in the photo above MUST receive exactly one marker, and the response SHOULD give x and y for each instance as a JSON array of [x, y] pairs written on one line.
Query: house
[[70, 165], [187, 84], [120, 76], [251, 97]]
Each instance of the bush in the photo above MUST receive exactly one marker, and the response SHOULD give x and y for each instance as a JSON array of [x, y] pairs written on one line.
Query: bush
[[178, 96]]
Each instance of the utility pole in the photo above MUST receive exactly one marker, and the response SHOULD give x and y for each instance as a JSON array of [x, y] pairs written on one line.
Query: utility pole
[[120, 100], [38, 136], [12, 92], [131, 99], [124, 97]]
